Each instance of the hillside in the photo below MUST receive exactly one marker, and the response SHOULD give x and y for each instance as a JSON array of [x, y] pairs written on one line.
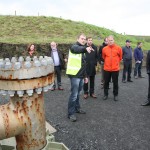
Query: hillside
[[41, 30]]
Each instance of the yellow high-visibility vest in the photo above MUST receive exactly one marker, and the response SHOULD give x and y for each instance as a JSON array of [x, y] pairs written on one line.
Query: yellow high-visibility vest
[[74, 63]]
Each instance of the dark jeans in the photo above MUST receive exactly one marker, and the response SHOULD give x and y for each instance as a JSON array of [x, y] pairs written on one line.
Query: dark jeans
[[127, 69], [137, 69], [92, 81], [107, 77], [76, 88], [58, 75]]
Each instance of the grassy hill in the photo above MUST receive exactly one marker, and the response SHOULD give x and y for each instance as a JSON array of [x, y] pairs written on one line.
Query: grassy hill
[[40, 30]]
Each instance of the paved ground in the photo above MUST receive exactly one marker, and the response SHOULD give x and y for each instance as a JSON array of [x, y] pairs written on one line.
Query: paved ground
[[108, 125]]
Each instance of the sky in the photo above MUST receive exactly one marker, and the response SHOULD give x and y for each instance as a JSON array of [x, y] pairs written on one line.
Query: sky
[[122, 16]]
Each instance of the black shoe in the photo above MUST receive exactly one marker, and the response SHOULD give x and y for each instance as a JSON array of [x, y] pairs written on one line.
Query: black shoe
[[147, 103], [115, 98], [72, 118], [52, 89], [93, 95], [130, 81], [141, 77], [123, 81], [80, 111], [105, 97], [60, 88]]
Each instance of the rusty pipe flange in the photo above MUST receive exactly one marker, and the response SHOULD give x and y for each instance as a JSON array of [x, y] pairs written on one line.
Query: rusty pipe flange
[[26, 76], [26, 69], [22, 87]]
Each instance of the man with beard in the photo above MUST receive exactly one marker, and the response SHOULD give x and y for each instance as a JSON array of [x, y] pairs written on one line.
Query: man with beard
[[91, 60]]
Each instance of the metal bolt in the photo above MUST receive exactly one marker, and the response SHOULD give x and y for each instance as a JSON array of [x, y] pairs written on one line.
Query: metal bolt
[[17, 65], [37, 63], [28, 58], [13, 59], [38, 90], [8, 65], [44, 62], [20, 93], [11, 93], [27, 64], [29, 92], [20, 59]]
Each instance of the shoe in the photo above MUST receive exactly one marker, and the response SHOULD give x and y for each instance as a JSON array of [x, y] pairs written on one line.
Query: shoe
[[60, 88], [72, 118], [85, 96], [115, 98], [80, 111], [105, 97], [130, 81], [141, 77], [123, 81], [135, 77], [52, 89], [93, 95], [147, 103]]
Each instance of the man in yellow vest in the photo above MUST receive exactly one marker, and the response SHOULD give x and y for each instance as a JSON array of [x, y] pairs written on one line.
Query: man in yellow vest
[[76, 70]]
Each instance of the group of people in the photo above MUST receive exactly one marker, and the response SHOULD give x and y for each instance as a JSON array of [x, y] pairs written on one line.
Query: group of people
[[83, 58], [81, 68]]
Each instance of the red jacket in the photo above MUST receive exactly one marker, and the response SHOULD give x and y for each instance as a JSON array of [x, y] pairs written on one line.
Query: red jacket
[[112, 55]]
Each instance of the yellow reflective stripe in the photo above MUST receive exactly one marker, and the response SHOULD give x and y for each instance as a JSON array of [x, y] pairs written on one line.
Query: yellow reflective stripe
[[74, 63]]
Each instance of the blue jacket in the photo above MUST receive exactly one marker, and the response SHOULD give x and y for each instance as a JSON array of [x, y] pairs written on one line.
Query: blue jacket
[[138, 54]]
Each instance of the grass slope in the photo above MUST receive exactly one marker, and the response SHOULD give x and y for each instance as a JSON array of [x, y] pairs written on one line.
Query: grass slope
[[41, 29]]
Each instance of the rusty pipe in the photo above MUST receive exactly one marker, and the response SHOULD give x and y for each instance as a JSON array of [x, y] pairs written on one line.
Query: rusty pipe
[[10, 124], [24, 118]]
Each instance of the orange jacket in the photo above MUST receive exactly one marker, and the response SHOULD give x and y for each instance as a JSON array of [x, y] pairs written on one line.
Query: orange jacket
[[112, 56]]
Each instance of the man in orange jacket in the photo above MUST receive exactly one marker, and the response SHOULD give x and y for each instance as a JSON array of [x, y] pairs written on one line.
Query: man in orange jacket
[[112, 55]]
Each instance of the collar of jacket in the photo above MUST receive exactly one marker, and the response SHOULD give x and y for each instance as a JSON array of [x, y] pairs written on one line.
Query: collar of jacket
[[111, 46]]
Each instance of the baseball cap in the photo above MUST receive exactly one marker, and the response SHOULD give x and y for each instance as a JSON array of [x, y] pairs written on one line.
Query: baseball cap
[[128, 41]]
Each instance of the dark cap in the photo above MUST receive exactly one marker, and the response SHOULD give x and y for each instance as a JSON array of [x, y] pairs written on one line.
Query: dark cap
[[128, 41]]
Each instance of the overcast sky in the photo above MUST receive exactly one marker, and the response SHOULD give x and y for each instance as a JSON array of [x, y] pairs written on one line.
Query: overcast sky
[[121, 16]]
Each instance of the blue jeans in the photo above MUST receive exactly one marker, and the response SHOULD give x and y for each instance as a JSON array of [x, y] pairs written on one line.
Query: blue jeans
[[76, 88]]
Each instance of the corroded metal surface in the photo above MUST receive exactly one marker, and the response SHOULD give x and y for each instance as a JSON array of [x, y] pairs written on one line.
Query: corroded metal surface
[[23, 117], [27, 84]]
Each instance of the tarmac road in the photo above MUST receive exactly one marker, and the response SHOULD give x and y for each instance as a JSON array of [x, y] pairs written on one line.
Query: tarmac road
[[107, 125]]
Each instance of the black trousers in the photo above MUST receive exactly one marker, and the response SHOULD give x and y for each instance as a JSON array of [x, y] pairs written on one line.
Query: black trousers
[[127, 69], [107, 76], [57, 70], [92, 84], [149, 87]]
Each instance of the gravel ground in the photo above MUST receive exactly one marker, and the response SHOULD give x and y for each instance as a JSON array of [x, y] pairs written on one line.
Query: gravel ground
[[107, 125]]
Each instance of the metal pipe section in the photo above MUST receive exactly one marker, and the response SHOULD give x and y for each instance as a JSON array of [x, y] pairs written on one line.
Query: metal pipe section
[[10, 122], [23, 117]]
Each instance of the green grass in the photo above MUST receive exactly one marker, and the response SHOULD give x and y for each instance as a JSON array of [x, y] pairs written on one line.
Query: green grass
[[41, 29]]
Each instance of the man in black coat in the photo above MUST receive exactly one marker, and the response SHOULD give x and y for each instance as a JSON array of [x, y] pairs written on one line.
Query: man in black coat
[[91, 60], [147, 103]]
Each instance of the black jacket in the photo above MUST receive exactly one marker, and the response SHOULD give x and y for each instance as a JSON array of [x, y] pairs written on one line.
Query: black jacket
[[77, 48], [148, 62], [91, 60], [100, 53]]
